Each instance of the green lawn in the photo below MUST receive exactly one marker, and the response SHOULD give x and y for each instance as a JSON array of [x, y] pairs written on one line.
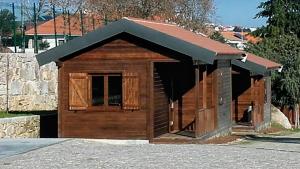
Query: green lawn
[[6, 115], [282, 131]]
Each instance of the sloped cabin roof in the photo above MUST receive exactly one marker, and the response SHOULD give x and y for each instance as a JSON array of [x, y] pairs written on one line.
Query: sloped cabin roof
[[170, 36]]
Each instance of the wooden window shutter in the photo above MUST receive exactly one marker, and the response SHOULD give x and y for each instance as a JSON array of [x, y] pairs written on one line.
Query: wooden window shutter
[[131, 89], [78, 91]]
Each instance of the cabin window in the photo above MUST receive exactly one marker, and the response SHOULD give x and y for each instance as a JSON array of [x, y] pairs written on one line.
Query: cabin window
[[106, 90], [114, 90], [97, 90], [60, 42]]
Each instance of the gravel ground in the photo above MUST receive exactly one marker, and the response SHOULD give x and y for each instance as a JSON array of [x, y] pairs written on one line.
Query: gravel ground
[[78, 153]]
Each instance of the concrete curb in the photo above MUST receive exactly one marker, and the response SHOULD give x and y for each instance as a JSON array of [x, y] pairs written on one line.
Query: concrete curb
[[119, 142]]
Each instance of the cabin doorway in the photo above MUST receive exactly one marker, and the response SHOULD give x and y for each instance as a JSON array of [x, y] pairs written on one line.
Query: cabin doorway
[[242, 104], [161, 101], [248, 98], [174, 113]]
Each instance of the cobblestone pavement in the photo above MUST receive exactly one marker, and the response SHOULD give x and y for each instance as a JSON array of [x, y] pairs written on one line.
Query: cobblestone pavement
[[77, 153]]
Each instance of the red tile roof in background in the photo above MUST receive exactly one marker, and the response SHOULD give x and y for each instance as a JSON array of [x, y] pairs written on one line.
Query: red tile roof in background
[[62, 27], [248, 37]]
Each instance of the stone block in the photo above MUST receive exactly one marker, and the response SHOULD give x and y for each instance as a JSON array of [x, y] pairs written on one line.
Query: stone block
[[44, 88], [31, 88], [15, 88], [2, 90], [20, 127]]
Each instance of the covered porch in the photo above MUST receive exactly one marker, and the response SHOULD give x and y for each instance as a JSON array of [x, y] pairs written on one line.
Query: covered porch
[[251, 96], [187, 96]]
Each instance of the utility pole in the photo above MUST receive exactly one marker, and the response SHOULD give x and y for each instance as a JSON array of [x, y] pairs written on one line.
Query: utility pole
[[93, 22], [81, 22], [7, 85], [14, 27], [54, 20], [35, 30], [22, 26], [69, 25]]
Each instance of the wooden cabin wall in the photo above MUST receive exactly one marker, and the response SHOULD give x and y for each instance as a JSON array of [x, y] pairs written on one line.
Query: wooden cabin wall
[[117, 55]]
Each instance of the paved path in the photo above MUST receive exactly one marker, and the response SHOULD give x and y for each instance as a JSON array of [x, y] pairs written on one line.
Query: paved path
[[9, 147], [76, 153]]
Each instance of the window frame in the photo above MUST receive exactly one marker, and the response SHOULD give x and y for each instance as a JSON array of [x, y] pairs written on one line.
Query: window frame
[[105, 106]]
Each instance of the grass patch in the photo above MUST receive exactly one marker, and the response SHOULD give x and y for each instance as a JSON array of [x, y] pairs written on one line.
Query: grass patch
[[277, 126], [278, 130], [295, 130], [8, 115]]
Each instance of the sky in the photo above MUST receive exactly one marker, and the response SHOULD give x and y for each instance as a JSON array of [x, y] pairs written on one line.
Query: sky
[[238, 13]]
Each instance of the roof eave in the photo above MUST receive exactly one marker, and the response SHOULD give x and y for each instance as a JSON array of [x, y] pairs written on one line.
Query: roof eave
[[252, 67], [232, 56]]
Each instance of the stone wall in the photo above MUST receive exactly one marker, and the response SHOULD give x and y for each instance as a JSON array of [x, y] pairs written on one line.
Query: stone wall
[[30, 87], [20, 127]]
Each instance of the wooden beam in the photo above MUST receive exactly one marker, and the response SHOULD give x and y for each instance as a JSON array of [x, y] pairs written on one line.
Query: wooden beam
[[60, 100], [253, 119], [204, 94], [197, 115], [150, 123]]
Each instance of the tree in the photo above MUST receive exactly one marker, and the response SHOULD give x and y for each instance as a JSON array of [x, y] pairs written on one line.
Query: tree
[[283, 17], [44, 45], [284, 49], [191, 14], [218, 37], [6, 23]]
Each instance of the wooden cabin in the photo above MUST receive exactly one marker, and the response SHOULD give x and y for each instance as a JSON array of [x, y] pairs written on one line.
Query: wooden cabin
[[137, 79]]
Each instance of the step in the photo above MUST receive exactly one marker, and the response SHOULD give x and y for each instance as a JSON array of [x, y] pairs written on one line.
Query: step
[[244, 133], [240, 127]]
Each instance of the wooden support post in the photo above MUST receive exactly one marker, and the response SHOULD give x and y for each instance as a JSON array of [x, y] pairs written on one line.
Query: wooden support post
[[197, 115], [253, 100], [204, 94], [150, 120]]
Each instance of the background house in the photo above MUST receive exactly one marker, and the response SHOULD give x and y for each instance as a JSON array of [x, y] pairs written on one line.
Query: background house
[[66, 29], [239, 39]]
